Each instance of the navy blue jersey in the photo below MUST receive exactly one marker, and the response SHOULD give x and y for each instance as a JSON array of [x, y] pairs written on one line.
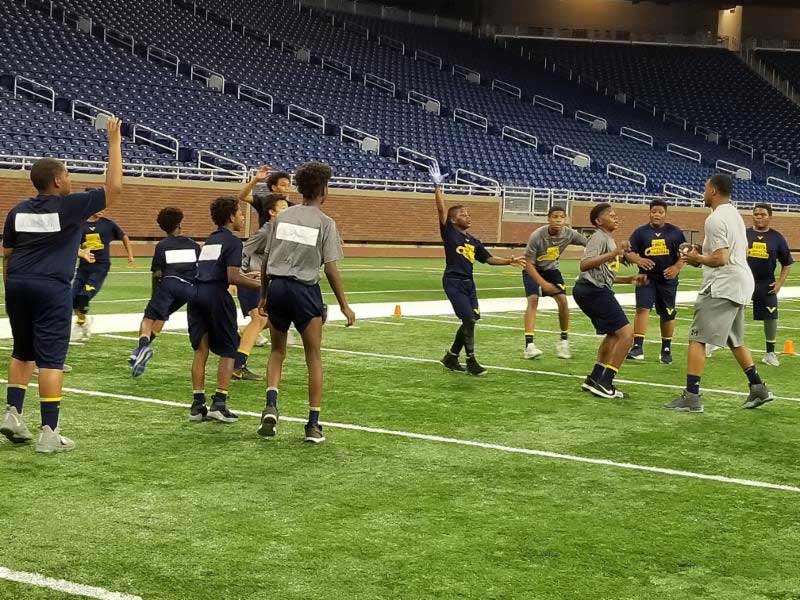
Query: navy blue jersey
[[97, 238], [765, 249], [45, 233], [221, 250], [661, 245], [176, 256], [461, 250]]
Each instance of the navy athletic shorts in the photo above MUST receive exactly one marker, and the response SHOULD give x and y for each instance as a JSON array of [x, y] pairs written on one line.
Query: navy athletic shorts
[[661, 294], [290, 301], [765, 304], [248, 299], [88, 282], [553, 276], [463, 295], [171, 294], [213, 312], [601, 306]]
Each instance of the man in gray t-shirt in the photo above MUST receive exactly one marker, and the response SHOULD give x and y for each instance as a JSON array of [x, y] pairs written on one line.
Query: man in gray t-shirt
[[303, 239], [727, 287], [541, 276]]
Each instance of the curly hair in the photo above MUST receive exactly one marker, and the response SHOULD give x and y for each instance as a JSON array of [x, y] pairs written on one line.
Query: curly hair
[[223, 209], [169, 218], [275, 177], [312, 179], [268, 204]]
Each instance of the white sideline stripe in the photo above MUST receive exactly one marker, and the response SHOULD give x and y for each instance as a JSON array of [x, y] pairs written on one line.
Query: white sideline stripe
[[120, 300], [439, 290], [470, 443], [118, 337], [60, 585]]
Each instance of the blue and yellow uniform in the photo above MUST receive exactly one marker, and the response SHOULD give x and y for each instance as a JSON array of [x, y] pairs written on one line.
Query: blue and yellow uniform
[[461, 250], [89, 277], [175, 259], [765, 249], [662, 246]]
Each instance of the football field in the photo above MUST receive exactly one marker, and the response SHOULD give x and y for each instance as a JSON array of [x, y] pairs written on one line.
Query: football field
[[431, 484]]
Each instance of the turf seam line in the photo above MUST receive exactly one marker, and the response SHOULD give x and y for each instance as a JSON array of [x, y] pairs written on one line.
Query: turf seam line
[[474, 444], [61, 585]]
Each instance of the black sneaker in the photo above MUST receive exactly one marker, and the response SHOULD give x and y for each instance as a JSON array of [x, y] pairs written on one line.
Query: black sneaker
[[474, 367], [198, 412], [245, 374], [636, 353], [314, 434], [450, 361], [602, 390], [759, 394], [666, 358], [269, 422], [220, 412]]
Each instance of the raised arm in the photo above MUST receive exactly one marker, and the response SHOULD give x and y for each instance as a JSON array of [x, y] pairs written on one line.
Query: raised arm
[[113, 185], [438, 179], [335, 280], [246, 193]]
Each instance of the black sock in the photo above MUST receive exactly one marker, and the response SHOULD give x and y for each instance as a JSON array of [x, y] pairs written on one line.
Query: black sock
[[607, 378], [666, 345], [564, 335], [313, 416], [152, 337], [219, 397], [199, 397], [770, 346], [144, 341], [469, 337], [458, 342], [240, 362], [15, 396], [272, 397], [528, 339], [597, 371], [638, 341], [693, 384], [752, 375], [50, 411]]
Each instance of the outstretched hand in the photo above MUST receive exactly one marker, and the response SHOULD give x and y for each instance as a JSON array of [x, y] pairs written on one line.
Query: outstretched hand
[[436, 174], [262, 173], [114, 131]]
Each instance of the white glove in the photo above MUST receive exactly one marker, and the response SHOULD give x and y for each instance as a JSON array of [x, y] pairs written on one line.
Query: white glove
[[436, 174]]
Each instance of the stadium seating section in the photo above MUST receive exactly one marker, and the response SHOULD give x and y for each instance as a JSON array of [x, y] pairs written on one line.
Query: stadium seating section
[[712, 88]]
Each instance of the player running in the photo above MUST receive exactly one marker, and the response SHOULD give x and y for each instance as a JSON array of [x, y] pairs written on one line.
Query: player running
[[545, 247], [765, 249]]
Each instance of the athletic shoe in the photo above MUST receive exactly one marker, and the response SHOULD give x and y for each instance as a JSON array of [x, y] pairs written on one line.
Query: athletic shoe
[[531, 351], [636, 353], [759, 394], [589, 384], [143, 357], [52, 441], [666, 358], [686, 402], [710, 349], [76, 335], [474, 368], [450, 361], [562, 349], [246, 374], [771, 359], [314, 434], [220, 412], [14, 427], [269, 422], [132, 357], [87, 328], [65, 369], [198, 412], [261, 341], [609, 392]]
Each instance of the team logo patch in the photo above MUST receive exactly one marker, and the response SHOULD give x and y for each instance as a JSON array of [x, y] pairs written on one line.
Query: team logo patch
[[758, 250], [772, 309], [467, 251], [657, 248]]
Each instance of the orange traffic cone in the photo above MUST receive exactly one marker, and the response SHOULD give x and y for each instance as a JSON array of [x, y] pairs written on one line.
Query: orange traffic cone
[[397, 311], [788, 348]]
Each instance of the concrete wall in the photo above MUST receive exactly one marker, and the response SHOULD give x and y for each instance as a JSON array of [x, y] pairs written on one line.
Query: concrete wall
[[729, 25]]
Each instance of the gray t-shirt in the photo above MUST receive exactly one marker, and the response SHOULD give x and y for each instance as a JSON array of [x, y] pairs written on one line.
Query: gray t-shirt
[[303, 238], [603, 276], [724, 228], [253, 250], [544, 249]]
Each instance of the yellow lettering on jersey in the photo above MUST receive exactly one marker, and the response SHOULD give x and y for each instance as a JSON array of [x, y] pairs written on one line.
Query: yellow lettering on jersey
[[467, 251], [553, 253], [92, 241], [758, 250], [658, 248]]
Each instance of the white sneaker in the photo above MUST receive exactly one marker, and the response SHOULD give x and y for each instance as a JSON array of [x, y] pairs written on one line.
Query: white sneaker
[[562, 349], [76, 335], [261, 340], [14, 427], [87, 328], [531, 351], [771, 359], [710, 348], [52, 441]]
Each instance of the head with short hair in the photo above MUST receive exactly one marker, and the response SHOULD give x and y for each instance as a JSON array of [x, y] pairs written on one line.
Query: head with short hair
[[658, 212], [458, 215], [169, 219], [604, 217], [762, 215], [226, 212], [274, 204], [50, 176], [279, 182], [556, 218], [718, 190], [312, 181]]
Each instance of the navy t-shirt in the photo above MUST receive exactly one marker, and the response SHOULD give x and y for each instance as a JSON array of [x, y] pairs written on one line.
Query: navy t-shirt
[[765, 249], [45, 233], [221, 250], [97, 238], [461, 250], [661, 245], [176, 256]]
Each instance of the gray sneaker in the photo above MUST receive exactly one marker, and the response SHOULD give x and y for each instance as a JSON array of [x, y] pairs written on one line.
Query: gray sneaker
[[771, 359], [52, 441], [14, 427], [759, 394], [269, 422], [687, 402], [314, 434]]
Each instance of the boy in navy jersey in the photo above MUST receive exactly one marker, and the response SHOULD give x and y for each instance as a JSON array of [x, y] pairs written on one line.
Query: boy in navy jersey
[[302, 240], [658, 244], [98, 233], [212, 313], [461, 251], [40, 240], [765, 249], [174, 269]]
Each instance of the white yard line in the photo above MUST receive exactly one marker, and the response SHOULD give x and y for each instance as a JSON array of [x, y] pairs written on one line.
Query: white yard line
[[438, 290], [461, 442], [60, 585], [120, 300]]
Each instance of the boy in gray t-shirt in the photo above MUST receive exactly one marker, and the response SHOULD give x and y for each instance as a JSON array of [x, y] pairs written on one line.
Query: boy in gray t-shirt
[[595, 297], [542, 276], [303, 239]]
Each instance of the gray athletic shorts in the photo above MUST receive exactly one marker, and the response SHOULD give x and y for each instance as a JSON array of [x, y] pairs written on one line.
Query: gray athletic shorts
[[717, 321]]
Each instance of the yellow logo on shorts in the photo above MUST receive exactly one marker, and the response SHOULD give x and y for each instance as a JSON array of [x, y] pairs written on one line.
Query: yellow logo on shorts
[[658, 248], [553, 253], [92, 241], [467, 251], [758, 250], [772, 309]]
